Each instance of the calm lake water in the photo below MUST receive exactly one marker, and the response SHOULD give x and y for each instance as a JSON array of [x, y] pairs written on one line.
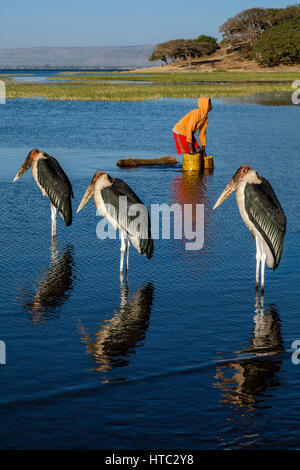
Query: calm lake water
[[43, 75], [180, 356]]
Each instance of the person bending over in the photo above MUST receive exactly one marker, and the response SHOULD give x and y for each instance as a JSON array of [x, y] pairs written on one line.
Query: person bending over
[[193, 121]]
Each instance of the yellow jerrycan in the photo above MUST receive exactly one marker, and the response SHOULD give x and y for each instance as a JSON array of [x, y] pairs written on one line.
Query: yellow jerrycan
[[195, 162], [208, 162], [192, 162]]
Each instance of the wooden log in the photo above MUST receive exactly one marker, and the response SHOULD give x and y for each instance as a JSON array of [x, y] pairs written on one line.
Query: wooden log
[[135, 162]]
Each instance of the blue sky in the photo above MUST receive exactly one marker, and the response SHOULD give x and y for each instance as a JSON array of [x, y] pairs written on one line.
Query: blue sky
[[35, 23]]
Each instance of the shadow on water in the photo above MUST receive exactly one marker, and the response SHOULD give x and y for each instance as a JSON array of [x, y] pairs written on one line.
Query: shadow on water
[[244, 382], [118, 338], [54, 286]]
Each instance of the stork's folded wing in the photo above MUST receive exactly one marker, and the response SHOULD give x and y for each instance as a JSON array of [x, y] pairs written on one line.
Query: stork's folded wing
[[131, 214], [266, 213], [57, 186]]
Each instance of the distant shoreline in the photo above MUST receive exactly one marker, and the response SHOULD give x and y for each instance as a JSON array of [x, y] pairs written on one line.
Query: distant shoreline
[[89, 58], [71, 68]]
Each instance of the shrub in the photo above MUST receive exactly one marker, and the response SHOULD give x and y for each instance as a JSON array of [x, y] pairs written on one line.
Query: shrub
[[280, 44]]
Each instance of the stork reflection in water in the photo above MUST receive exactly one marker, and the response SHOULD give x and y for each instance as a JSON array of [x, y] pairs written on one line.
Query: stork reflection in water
[[256, 368], [109, 194], [116, 339], [52, 181], [261, 213], [54, 285]]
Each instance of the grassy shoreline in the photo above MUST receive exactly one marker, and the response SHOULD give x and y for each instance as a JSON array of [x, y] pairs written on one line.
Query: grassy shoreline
[[175, 77], [154, 86]]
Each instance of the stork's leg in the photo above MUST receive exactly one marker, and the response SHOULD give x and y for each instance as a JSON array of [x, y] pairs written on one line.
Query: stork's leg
[[262, 282], [257, 300], [53, 218], [127, 254], [123, 246], [124, 289], [258, 259], [262, 301]]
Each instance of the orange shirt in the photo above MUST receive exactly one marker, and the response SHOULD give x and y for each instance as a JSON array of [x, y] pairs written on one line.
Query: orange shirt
[[193, 121]]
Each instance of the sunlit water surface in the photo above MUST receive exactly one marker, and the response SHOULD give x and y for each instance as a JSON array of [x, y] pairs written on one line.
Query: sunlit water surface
[[180, 356]]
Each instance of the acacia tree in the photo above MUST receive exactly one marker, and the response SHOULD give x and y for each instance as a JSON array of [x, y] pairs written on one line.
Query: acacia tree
[[166, 51], [184, 49], [190, 49], [245, 28], [159, 53], [288, 13], [280, 44]]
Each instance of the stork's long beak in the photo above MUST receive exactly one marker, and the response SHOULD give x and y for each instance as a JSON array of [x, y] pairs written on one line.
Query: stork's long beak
[[230, 188], [26, 165], [87, 196]]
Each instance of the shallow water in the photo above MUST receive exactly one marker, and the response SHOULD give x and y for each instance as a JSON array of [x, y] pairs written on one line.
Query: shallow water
[[43, 75], [180, 356]]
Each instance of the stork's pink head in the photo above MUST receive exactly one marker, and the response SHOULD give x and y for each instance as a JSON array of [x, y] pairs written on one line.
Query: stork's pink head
[[90, 190], [233, 183], [241, 172], [97, 175], [33, 154], [27, 162]]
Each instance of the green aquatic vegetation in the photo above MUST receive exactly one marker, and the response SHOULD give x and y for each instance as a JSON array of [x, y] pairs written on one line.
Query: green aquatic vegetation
[[5, 78], [178, 77], [127, 92]]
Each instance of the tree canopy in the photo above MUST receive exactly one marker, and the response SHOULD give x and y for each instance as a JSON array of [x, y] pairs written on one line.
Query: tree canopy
[[208, 39], [280, 44], [246, 27], [243, 30], [269, 35], [178, 49]]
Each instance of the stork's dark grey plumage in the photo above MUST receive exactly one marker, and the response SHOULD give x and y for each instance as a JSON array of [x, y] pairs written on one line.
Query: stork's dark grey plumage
[[53, 182], [116, 201], [263, 215]]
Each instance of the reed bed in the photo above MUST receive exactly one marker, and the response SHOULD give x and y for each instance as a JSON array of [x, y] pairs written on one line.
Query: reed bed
[[107, 91], [180, 77]]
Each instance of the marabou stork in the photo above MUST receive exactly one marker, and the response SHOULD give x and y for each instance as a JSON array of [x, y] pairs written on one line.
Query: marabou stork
[[52, 181], [116, 201], [262, 214]]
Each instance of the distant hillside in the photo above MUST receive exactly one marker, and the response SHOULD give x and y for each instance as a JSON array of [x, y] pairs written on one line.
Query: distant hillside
[[84, 57]]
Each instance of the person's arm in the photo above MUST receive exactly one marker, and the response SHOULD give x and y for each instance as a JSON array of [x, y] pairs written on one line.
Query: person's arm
[[190, 130], [198, 149], [202, 135], [191, 149]]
